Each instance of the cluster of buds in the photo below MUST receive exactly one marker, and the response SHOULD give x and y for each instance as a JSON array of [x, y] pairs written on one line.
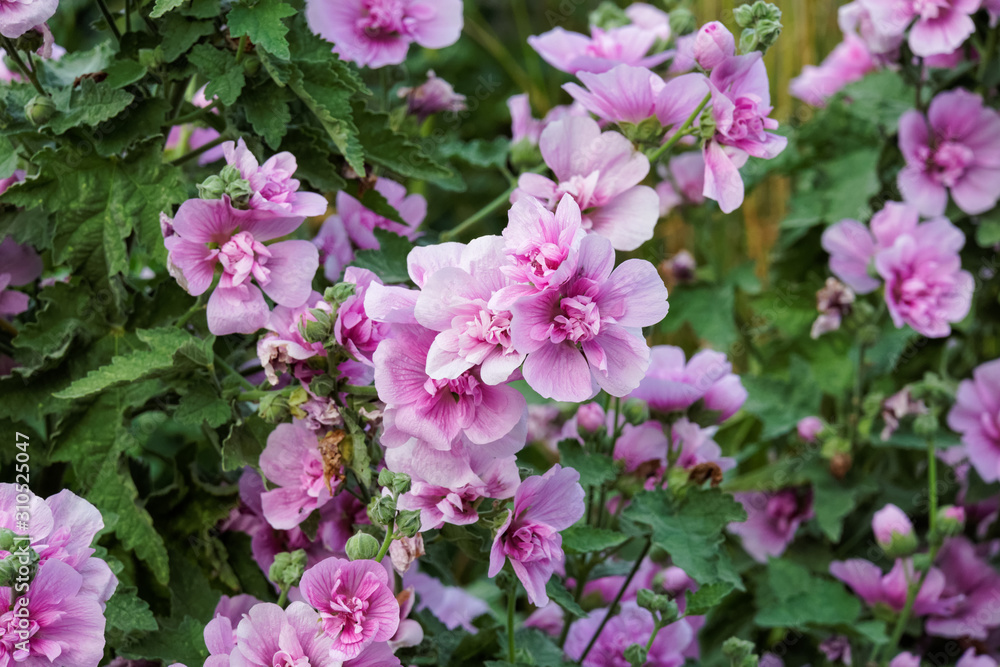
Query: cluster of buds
[[228, 182]]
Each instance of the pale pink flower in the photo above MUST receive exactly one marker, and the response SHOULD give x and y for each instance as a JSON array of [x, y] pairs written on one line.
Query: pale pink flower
[[292, 461], [632, 625], [19, 265], [524, 127], [272, 184], [284, 346], [772, 520], [941, 26], [976, 415], [435, 95], [451, 605], [875, 588], [673, 384], [353, 328], [603, 49], [17, 18], [848, 62]]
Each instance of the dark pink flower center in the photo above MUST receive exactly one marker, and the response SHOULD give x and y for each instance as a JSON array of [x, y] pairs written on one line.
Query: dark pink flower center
[[383, 18], [782, 509], [579, 319], [278, 186], [346, 611], [931, 9], [948, 162], [285, 659], [488, 327], [748, 120], [242, 256], [312, 475], [464, 386], [532, 542]]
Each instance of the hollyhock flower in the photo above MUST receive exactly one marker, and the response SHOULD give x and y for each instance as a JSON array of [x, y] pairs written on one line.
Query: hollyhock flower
[[890, 590], [16, 177], [62, 527], [196, 136], [683, 181], [881, 38], [284, 270], [672, 385], [992, 8], [955, 148], [529, 538], [970, 659], [643, 449], [772, 519], [941, 25], [741, 103], [220, 632], [586, 334], [334, 245], [446, 484], [975, 585], [434, 95], [852, 248], [524, 127], [272, 184], [696, 447], [353, 329], [376, 33], [891, 524], [602, 172], [269, 635], [409, 632], [897, 406], [360, 222], [451, 605], [65, 625], [285, 346], [632, 625], [572, 52], [976, 415], [645, 577], [549, 619], [17, 18], [455, 302], [650, 19], [713, 44], [590, 417], [19, 265], [837, 649], [441, 411], [293, 462], [848, 62], [404, 552], [834, 301], [809, 428], [622, 94], [355, 603]]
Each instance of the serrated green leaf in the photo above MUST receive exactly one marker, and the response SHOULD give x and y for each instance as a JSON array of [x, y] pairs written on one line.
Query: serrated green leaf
[[124, 72], [144, 120], [595, 469], [706, 598], [393, 150], [779, 402], [558, 594], [376, 202], [266, 108], [244, 444], [163, 6], [262, 23], [795, 598], [128, 612], [224, 74], [715, 324], [180, 34], [389, 261], [326, 95], [477, 152], [585, 539], [203, 405], [89, 104]]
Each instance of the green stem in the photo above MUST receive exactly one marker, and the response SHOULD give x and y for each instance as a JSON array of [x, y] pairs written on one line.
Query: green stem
[[532, 62], [681, 131], [932, 499], [128, 16], [29, 74], [613, 609], [511, 601], [241, 48], [859, 379], [987, 55], [489, 42], [479, 215], [201, 149], [359, 390], [110, 19], [283, 597], [385, 544], [221, 363], [194, 115], [253, 396], [652, 637], [198, 305]]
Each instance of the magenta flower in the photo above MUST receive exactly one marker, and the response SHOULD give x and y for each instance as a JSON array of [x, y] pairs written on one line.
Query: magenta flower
[[64, 625], [62, 528], [272, 184], [292, 461], [905, 659], [643, 447], [529, 538], [220, 632], [376, 33], [941, 25], [632, 625], [355, 603], [955, 148], [451, 605], [976, 415], [21, 265], [434, 95], [889, 590], [973, 586], [848, 62], [455, 301], [284, 345], [772, 519], [358, 333], [585, 334], [881, 38], [572, 52], [602, 172], [971, 659], [210, 233], [672, 385], [360, 222], [17, 18]]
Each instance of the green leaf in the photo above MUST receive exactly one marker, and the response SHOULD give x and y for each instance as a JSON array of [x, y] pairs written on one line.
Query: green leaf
[[558, 594], [224, 74], [477, 152], [163, 6], [881, 97], [853, 180], [715, 324], [328, 97], [376, 202], [244, 444], [200, 405], [795, 598], [690, 530], [266, 108], [262, 23], [128, 612], [124, 72], [393, 150], [594, 469], [145, 119], [988, 230], [834, 500], [180, 34], [584, 539], [706, 598], [389, 261], [779, 402], [90, 104]]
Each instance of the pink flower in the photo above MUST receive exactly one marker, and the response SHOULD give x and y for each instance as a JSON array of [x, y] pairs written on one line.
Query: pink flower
[[19, 265], [941, 25], [355, 603], [695, 446], [63, 627], [529, 538], [440, 412], [62, 528], [650, 19], [220, 632], [284, 270], [683, 181], [881, 38], [888, 522], [269, 635], [284, 345], [585, 334], [639, 446], [376, 33], [272, 184], [848, 62], [602, 172], [905, 659], [971, 659], [360, 222], [434, 95], [292, 461], [713, 44], [572, 52], [834, 301], [455, 301], [955, 148], [524, 127], [974, 588], [976, 415], [632, 625], [17, 18], [772, 519], [889, 590], [625, 93], [672, 385], [451, 605], [353, 329], [809, 428]]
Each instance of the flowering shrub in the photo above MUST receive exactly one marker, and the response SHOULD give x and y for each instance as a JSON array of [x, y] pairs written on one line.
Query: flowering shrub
[[304, 362]]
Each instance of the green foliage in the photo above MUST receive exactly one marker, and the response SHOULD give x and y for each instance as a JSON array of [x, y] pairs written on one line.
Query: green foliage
[[262, 23], [586, 539], [796, 598], [389, 261]]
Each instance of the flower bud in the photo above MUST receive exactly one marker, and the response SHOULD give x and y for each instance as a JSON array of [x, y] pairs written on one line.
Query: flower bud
[[322, 385], [31, 40], [40, 109], [408, 522], [317, 330], [7, 539], [636, 655], [635, 411], [655, 603], [761, 23], [274, 407], [926, 424], [404, 551], [608, 15], [648, 131], [382, 510], [362, 546], [397, 482], [682, 22], [212, 187], [589, 418], [339, 293], [950, 521], [740, 652], [251, 65], [809, 428], [894, 532], [713, 44], [287, 568]]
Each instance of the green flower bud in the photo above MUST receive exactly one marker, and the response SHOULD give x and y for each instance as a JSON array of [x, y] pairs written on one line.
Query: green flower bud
[[608, 15], [322, 385], [7, 539], [635, 411], [31, 40], [636, 655], [239, 193], [648, 131], [740, 652], [382, 510], [761, 23], [682, 22], [408, 522], [339, 293], [397, 482], [40, 109], [362, 546], [656, 603], [212, 187], [251, 65], [318, 330], [287, 568], [525, 155], [295, 399], [274, 408], [950, 521], [926, 425]]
